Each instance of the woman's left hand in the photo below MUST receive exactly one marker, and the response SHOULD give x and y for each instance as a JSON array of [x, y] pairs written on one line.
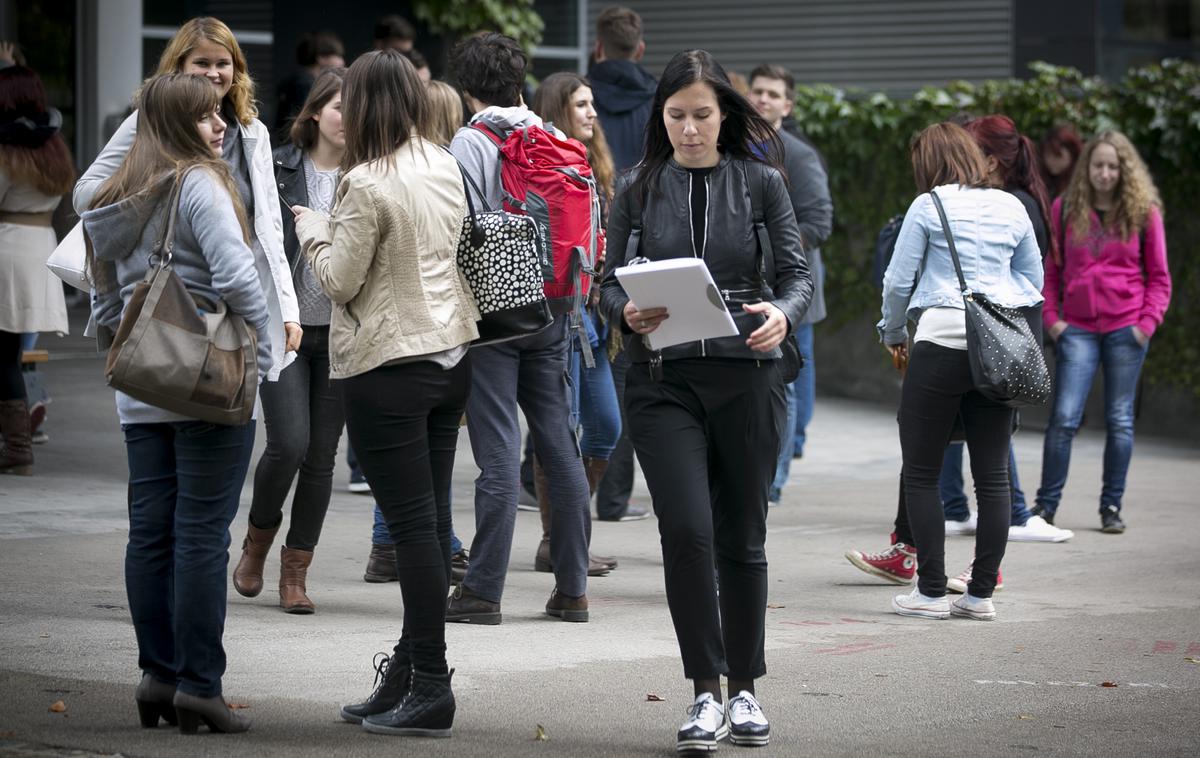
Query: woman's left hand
[[767, 337], [1141, 337], [293, 333], [300, 210]]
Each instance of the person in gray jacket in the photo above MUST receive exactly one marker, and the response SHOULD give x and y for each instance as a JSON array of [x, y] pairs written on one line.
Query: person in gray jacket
[[771, 93], [185, 475]]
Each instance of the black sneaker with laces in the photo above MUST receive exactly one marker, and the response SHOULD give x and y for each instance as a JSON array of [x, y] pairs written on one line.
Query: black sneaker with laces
[[392, 680], [1110, 521], [427, 711]]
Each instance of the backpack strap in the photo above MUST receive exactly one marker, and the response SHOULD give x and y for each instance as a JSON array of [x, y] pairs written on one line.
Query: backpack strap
[[766, 254], [496, 137]]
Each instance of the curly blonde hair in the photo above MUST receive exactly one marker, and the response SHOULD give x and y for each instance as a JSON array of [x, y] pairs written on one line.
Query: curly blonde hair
[[192, 33], [1135, 195]]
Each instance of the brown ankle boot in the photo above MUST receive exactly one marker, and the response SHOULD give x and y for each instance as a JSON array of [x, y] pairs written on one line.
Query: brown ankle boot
[[16, 455], [248, 575], [595, 468], [293, 569], [598, 565]]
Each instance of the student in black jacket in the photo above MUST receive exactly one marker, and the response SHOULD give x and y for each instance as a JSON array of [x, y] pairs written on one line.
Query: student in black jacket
[[705, 416]]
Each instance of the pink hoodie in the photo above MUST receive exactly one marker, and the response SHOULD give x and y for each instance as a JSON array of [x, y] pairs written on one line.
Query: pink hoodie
[[1106, 283]]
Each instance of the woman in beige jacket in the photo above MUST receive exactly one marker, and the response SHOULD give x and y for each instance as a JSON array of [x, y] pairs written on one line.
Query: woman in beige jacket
[[402, 321]]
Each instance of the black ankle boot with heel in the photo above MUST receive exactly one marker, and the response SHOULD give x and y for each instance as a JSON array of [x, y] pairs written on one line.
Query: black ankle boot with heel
[[427, 711], [155, 701], [212, 711]]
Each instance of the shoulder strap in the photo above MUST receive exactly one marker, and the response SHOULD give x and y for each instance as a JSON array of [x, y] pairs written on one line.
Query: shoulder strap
[[635, 225], [164, 246], [756, 181], [937, 201]]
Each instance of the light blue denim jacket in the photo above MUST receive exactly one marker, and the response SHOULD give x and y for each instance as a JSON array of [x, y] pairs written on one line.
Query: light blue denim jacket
[[994, 238]]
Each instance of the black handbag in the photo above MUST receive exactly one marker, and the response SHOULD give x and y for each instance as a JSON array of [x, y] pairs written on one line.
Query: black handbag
[[497, 255], [1007, 362]]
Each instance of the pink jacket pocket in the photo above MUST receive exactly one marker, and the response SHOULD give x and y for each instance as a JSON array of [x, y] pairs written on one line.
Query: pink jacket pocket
[[1079, 300]]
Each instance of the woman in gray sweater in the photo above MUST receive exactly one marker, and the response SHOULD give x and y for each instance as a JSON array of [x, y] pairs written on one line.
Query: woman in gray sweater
[[185, 475]]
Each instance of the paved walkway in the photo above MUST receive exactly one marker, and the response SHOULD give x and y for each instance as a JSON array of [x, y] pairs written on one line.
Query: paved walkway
[[846, 676]]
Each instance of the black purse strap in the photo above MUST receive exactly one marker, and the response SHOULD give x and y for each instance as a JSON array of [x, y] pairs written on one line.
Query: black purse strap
[[962, 282]]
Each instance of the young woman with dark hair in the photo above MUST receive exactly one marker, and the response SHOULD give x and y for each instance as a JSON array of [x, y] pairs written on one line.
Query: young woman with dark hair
[[185, 476], [1104, 302], [35, 170], [704, 416], [1059, 153], [304, 415], [402, 320], [1001, 260]]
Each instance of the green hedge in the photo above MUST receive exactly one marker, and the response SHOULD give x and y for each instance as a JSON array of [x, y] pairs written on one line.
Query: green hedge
[[865, 140]]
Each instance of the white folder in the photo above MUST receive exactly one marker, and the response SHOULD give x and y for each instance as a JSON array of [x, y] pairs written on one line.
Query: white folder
[[685, 288]]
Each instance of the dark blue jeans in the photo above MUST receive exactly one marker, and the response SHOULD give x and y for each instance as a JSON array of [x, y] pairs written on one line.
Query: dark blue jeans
[[595, 399], [954, 497], [185, 479], [1078, 354]]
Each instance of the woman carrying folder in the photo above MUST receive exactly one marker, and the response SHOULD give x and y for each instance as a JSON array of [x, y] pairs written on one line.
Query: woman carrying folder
[[706, 417]]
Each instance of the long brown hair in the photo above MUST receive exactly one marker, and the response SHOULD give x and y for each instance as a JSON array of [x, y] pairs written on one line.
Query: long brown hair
[[945, 153], [206, 28], [47, 166], [168, 143], [445, 113], [552, 102], [304, 132], [1135, 195], [383, 104]]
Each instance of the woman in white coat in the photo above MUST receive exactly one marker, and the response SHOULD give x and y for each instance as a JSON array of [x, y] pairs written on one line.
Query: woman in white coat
[[206, 47]]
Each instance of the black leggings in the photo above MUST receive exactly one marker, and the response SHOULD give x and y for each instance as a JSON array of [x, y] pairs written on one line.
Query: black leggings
[[12, 384], [403, 423], [937, 388]]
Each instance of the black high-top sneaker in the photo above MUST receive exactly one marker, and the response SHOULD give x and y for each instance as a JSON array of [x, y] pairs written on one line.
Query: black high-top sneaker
[[393, 676], [427, 711]]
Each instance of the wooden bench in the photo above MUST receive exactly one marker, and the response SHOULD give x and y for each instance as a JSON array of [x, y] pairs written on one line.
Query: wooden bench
[[35, 356]]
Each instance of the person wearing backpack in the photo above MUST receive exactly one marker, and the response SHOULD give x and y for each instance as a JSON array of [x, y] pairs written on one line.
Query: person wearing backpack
[[706, 417], [529, 372]]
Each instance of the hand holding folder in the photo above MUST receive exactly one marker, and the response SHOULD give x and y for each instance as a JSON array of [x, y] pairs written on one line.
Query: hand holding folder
[[685, 288]]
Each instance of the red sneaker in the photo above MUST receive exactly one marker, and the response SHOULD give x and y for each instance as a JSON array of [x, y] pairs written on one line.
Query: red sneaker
[[959, 583], [897, 564]]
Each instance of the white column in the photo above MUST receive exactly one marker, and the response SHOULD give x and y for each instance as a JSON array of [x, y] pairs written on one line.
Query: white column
[[110, 68]]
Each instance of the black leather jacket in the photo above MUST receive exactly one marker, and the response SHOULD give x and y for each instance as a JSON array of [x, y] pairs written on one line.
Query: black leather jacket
[[293, 190], [731, 250]]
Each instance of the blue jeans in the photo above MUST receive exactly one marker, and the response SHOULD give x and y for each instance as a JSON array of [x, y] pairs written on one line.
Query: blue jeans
[[1078, 354], [783, 465], [800, 396], [954, 497], [185, 480], [594, 403]]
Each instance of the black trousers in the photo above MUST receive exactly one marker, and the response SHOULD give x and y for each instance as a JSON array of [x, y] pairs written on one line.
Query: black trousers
[[403, 423], [12, 384], [707, 435], [937, 388]]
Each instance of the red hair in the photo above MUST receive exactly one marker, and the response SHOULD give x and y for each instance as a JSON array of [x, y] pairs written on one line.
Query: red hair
[[1017, 162], [48, 167], [1061, 137]]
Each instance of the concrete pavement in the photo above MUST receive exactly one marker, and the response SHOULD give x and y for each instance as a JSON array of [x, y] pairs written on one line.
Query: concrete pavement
[[846, 676]]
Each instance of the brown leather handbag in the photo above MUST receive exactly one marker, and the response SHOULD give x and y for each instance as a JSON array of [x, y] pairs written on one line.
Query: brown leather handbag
[[181, 352]]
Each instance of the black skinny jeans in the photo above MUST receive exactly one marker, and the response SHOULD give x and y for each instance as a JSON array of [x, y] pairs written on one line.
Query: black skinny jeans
[[12, 384], [403, 423], [707, 436], [304, 418], [937, 388]]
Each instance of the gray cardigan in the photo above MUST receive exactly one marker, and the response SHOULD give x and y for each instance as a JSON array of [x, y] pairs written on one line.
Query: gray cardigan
[[808, 186], [210, 256]]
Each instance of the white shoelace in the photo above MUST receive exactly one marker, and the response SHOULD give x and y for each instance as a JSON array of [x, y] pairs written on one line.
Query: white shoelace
[[745, 706]]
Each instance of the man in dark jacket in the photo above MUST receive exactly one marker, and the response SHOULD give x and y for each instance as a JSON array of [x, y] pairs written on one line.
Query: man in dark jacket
[[623, 90], [771, 89]]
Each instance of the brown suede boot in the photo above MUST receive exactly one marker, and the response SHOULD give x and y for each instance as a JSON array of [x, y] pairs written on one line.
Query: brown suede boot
[[248, 575], [595, 468], [598, 565], [16, 455], [293, 569]]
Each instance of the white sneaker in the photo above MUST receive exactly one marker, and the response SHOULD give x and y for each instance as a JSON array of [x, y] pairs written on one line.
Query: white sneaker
[[1037, 530], [747, 722], [705, 727], [962, 527], [971, 607], [916, 604], [959, 583]]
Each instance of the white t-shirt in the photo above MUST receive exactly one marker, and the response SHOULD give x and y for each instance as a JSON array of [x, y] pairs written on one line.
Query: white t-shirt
[[945, 326]]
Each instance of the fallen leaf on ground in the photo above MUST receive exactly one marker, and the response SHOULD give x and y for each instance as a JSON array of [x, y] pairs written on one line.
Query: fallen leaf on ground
[[540, 735], [236, 706], [1025, 717], [773, 605], [652, 698], [1192, 660], [44, 636], [58, 707], [1108, 684]]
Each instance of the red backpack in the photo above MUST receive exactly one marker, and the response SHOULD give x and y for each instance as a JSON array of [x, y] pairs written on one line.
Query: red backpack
[[549, 179]]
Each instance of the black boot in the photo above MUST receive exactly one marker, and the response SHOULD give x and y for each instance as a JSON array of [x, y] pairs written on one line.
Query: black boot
[[392, 679], [428, 711], [381, 564]]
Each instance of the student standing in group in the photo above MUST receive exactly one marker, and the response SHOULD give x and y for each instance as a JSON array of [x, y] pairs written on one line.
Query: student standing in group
[[206, 47], [704, 416], [772, 91], [1001, 260], [303, 413], [401, 323], [1059, 153], [35, 170], [565, 100], [185, 476], [1104, 300], [530, 373]]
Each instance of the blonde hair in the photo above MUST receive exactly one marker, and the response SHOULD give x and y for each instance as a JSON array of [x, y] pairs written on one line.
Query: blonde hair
[[206, 28], [445, 113], [1135, 193]]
